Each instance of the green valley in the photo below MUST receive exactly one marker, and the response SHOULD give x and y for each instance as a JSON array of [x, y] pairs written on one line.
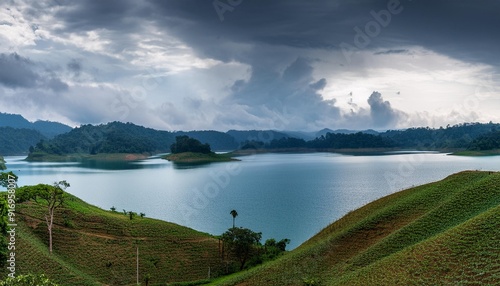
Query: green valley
[[439, 233]]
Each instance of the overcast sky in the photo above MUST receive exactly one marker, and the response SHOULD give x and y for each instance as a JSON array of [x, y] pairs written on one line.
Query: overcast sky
[[249, 64]]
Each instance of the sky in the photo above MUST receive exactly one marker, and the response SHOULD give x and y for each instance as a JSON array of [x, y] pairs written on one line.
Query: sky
[[252, 64]]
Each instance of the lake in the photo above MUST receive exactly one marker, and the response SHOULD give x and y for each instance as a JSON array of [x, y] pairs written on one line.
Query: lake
[[281, 195]]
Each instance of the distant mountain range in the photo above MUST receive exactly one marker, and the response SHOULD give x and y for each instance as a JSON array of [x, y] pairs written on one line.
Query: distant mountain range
[[48, 129], [18, 135]]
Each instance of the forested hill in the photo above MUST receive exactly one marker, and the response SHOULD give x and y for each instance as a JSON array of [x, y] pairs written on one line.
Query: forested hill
[[15, 141], [48, 129], [452, 137], [114, 137], [118, 137]]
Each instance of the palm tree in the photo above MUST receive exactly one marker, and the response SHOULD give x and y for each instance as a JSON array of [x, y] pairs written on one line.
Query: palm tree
[[234, 213]]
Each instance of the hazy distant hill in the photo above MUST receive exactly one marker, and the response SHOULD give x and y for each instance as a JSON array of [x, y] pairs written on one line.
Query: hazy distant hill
[[265, 136], [48, 129]]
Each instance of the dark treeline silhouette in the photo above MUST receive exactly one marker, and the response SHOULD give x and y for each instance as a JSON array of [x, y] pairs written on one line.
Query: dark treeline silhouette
[[328, 141], [459, 136], [186, 144]]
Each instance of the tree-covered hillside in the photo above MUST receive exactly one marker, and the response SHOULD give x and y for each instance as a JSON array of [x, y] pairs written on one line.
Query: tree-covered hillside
[[452, 137], [14, 141], [115, 137], [489, 141]]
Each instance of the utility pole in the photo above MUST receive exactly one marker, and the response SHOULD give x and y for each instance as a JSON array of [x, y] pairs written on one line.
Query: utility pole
[[137, 263]]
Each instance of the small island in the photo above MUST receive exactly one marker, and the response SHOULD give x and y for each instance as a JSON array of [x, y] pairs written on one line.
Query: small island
[[190, 150]]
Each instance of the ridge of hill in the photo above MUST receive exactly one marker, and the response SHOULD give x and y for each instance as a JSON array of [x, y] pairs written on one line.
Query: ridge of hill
[[48, 129], [442, 233], [97, 247]]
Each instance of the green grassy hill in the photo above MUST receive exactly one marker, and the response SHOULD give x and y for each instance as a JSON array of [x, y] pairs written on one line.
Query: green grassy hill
[[97, 247], [443, 233]]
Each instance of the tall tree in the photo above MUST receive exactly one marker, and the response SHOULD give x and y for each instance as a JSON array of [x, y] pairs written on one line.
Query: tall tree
[[54, 196], [234, 213]]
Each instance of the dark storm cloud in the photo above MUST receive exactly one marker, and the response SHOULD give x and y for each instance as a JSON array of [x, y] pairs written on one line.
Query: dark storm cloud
[[16, 71], [20, 72], [457, 28], [118, 15]]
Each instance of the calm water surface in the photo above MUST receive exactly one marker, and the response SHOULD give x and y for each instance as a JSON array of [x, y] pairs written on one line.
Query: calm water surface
[[281, 195]]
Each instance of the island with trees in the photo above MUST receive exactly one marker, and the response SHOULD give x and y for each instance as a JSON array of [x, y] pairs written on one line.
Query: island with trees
[[189, 150]]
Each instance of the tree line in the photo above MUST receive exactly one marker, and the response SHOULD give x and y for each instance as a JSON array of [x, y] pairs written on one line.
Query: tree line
[[461, 136]]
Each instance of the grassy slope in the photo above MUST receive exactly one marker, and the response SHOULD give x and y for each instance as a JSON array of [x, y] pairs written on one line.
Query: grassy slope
[[96, 247], [446, 232]]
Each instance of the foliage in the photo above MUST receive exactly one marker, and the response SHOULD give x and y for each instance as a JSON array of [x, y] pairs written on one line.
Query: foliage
[[186, 144], [489, 141], [18, 141], [452, 137], [28, 280], [242, 243], [4, 178], [114, 137]]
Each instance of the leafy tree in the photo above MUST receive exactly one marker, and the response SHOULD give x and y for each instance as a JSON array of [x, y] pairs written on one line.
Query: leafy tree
[[53, 195], [5, 176], [242, 242], [273, 249], [234, 213], [187, 144], [28, 280]]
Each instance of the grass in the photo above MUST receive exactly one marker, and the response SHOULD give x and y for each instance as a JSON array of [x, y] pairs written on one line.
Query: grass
[[493, 152], [444, 233], [190, 157], [97, 247]]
